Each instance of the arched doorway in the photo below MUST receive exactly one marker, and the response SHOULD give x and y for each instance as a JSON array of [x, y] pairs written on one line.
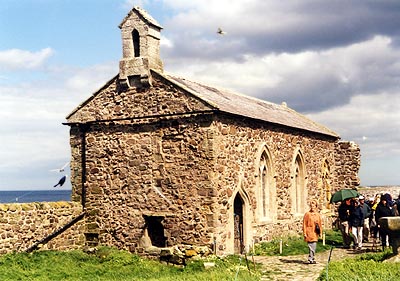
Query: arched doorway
[[238, 218]]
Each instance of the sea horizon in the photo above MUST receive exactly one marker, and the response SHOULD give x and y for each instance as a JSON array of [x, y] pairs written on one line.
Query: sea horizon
[[35, 195]]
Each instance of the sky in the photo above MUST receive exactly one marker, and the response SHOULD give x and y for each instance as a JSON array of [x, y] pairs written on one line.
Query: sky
[[337, 62]]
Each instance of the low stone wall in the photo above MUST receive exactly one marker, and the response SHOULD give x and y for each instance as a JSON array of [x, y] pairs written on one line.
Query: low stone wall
[[21, 225]]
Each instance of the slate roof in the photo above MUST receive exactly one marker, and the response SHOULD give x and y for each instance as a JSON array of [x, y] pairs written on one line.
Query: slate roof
[[149, 19], [238, 104]]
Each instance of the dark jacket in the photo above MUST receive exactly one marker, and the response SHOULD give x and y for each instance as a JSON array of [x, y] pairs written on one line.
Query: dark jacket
[[345, 211], [383, 211], [357, 217], [367, 211]]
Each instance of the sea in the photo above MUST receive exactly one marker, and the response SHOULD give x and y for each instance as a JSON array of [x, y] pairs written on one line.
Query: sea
[[28, 196]]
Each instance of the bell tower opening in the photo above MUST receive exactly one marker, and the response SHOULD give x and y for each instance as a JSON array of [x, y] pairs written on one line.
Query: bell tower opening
[[136, 43]]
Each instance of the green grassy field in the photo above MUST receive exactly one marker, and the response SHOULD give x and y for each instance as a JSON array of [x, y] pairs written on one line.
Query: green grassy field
[[366, 267], [296, 245], [112, 264]]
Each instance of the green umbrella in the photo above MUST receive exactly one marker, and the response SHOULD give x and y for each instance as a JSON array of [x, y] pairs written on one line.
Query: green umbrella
[[344, 194]]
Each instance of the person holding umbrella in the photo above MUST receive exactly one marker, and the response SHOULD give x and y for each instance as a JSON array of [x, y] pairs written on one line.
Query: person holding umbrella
[[345, 210], [312, 229]]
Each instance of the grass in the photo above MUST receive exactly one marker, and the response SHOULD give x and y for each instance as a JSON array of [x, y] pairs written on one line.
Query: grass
[[363, 268], [296, 245], [112, 264]]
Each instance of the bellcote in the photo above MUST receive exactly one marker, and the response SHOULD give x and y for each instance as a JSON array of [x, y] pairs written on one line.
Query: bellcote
[[140, 49]]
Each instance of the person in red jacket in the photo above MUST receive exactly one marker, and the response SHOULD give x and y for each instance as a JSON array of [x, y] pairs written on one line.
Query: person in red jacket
[[312, 229]]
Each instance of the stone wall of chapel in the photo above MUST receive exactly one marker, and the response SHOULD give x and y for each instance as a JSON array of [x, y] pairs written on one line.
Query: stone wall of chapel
[[347, 165], [236, 145], [129, 165], [76, 137], [160, 99], [197, 163]]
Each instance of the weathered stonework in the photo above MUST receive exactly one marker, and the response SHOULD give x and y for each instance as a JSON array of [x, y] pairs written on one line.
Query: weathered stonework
[[24, 224], [198, 164], [347, 162]]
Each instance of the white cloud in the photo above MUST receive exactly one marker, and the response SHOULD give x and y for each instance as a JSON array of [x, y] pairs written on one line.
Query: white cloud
[[33, 139], [89, 79], [23, 59], [308, 81], [166, 43], [372, 121]]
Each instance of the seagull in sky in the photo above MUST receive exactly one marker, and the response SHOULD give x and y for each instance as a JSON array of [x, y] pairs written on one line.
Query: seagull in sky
[[220, 31], [61, 181], [60, 170]]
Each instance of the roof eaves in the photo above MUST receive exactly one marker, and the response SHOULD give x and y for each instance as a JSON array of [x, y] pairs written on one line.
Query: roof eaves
[[324, 128], [333, 135]]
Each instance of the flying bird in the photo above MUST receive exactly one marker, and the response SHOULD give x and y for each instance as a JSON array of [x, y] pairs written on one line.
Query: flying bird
[[60, 170], [220, 31], [61, 181]]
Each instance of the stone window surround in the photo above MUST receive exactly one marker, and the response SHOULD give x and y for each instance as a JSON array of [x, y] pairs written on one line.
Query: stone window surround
[[298, 184], [266, 188]]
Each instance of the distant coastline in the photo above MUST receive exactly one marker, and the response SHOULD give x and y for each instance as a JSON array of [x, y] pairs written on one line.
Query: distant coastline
[[29, 196], [371, 191]]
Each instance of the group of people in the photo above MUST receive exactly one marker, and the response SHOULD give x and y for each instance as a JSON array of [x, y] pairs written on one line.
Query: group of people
[[358, 222]]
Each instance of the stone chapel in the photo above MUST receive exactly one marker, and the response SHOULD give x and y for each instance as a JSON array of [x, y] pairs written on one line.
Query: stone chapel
[[159, 156]]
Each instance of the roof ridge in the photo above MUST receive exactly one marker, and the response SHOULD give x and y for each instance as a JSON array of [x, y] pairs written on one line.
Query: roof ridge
[[144, 14]]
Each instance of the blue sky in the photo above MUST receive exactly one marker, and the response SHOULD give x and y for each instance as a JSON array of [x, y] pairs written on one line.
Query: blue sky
[[337, 62]]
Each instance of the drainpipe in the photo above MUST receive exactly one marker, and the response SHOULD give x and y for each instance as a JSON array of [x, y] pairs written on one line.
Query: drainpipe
[[83, 128]]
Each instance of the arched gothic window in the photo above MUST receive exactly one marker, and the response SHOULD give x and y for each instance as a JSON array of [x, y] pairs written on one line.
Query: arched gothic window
[[298, 189], [266, 191], [326, 187]]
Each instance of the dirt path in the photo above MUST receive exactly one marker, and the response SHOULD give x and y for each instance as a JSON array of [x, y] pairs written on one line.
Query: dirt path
[[296, 267]]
